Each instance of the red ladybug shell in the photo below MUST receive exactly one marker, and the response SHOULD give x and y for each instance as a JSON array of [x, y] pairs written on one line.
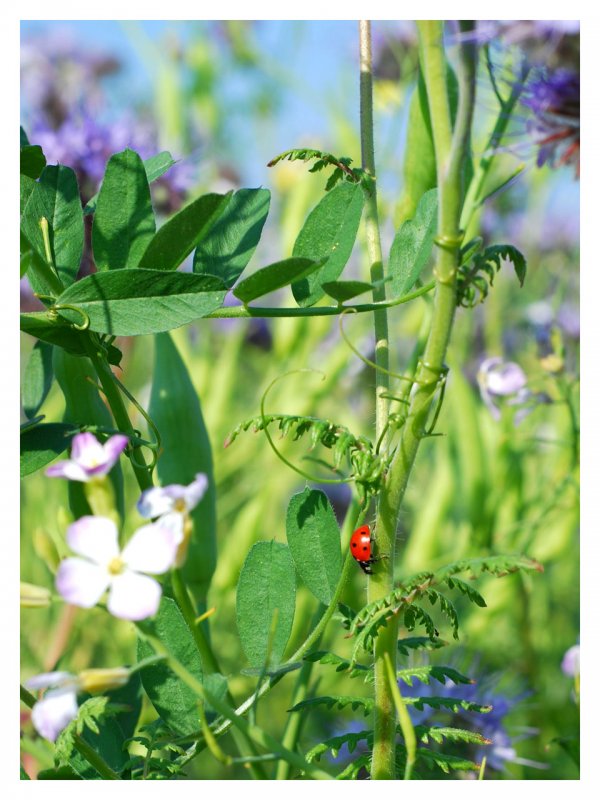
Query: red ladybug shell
[[360, 547]]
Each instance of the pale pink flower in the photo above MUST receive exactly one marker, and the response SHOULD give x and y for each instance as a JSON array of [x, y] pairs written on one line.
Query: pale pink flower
[[89, 458], [132, 593]]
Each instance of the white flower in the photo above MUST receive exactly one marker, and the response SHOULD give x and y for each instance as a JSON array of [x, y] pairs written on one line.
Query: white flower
[[161, 500], [132, 594], [570, 662], [58, 706], [89, 458]]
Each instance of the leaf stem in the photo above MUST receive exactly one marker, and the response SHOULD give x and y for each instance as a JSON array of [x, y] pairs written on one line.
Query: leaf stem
[[117, 406]]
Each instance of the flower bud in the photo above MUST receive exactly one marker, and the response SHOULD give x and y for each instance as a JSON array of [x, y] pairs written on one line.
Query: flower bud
[[96, 681], [34, 596]]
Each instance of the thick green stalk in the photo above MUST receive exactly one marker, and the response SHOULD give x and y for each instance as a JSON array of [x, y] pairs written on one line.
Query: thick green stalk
[[450, 151], [381, 582]]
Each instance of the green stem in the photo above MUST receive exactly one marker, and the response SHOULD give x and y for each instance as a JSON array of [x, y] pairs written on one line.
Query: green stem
[[381, 582], [450, 151], [249, 312], [117, 406], [473, 198], [81, 745]]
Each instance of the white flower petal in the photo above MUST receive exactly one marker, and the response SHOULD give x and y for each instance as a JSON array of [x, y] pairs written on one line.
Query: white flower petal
[[154, 503], [47, 679], [133, 596], [54, 712], [81, 582], [153, 548], [87, 450], [69, 470], [95, 538], [195, 491], [113, 448]]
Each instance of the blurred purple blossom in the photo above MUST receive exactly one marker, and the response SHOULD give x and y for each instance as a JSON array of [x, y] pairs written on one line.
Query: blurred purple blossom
[[570, 662], [504, 383], [491, 725], [553, 97]]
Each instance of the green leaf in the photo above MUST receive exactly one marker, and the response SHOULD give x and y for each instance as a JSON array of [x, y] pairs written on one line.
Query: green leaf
[[56, 197], [134, 302], [365, 704], [26, 187], [419, 159], [155, 166], [65, 773], [412, 245], [124, 219], [179, 235], [346, 290], [23, 139], [51, 328], [185, 451], [33, 160], [314, 539], [267, 582], [42, 444], [37, 378], [275, 276], [230, 243], [426, 673], [176, 703], [419, 642], [329, 232]]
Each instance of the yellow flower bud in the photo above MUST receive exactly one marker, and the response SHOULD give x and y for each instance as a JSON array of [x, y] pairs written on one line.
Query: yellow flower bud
[[96, 681], [34, 596]]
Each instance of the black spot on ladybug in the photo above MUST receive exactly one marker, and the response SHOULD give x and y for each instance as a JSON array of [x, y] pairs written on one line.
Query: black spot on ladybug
[[365, 547]]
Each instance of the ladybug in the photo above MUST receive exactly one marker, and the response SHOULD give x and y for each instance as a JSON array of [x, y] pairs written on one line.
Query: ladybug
[[361, 548]]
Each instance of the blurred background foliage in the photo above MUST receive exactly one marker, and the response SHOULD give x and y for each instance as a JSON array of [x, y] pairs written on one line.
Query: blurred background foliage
[[224, 98]]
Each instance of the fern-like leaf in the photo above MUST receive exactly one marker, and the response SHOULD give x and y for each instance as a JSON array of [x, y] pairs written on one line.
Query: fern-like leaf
[[366, 466], [429, 672], [475, 278], [342, 170], [335, 744], [365, 704], [341, 664], [419, 643], [438, 734]]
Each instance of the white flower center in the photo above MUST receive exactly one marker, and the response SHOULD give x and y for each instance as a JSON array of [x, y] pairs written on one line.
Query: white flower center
[[116, 566]]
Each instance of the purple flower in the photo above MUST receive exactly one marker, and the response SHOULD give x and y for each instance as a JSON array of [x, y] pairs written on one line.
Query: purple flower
[[553, 97], [89, 458], [133, 594], [503, 383]]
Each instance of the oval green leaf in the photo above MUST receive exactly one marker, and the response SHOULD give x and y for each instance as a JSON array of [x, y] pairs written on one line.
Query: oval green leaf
[[42, 444], [55, 196], [175, 409], [37, 378], [230, 243], [155, 166], [346, 290], [33, 160], [329, 232], [179, 235], [134, 302], [124, 220], [275, 276], [314, 539], [176, 703], [267, 582], [412, 245]]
